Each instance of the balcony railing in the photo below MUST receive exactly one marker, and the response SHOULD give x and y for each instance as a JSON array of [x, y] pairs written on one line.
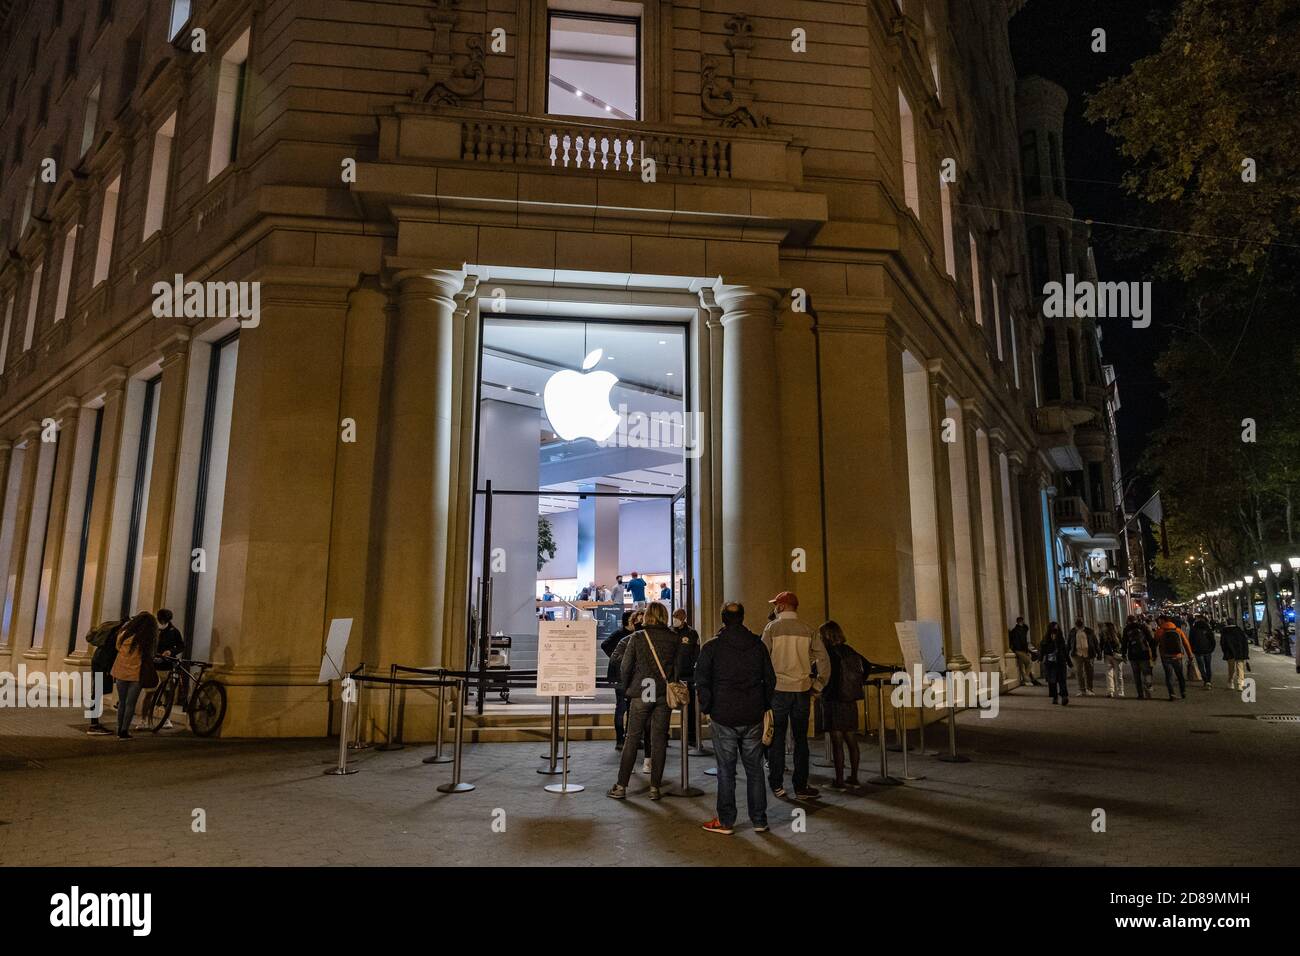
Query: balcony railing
[[1072, 513], [559, 144]]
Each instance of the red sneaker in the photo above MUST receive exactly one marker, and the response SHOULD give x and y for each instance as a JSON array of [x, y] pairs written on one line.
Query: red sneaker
[[714, 826]]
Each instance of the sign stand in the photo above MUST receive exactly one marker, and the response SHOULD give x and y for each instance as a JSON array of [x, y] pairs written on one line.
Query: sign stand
[[564, 786], [550, 770], [907, 777], [348, 689]]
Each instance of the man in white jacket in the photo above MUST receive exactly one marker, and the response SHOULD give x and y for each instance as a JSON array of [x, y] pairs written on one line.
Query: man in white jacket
[[802, 669]]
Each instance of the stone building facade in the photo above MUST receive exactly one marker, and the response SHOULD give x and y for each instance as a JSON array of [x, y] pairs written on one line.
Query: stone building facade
[[820, 197]]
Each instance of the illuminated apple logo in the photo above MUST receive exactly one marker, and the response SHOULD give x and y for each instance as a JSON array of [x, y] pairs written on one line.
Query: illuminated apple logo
[[577, 403]]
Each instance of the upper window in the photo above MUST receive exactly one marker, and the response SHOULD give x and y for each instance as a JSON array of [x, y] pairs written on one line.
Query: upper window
[[229, 106], [594, 66], [91, 117], [180, 14], [907, 129], [949, 248], [158, 172], [107, 226], [976, 283], [932, 52]]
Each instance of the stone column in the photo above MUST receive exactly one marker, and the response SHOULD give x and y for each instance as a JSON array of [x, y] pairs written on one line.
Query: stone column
[[707, 495], [868, 500], [13, 638], [173, 353], [48, 541], [943, 509], [415, 456], [753, 560]]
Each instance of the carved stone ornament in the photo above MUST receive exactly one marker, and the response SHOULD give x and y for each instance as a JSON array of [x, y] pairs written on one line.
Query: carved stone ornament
[[452, 79], [731, 98]]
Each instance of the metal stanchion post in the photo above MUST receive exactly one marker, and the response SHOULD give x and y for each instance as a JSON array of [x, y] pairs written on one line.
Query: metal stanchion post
[[699, 750], [884, 780], [357, 743], [438, 756], [920, 744], [564, 786], [550, 769], [952, 756], [456, 785], [906, 775], [343, 769], [394, 741], [685, 790], [825, 760]]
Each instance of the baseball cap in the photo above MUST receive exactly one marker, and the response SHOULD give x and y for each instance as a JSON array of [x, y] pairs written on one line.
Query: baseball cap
[[788, 598]]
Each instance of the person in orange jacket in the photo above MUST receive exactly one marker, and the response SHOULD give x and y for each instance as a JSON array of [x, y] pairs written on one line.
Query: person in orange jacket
[[1174, 647]]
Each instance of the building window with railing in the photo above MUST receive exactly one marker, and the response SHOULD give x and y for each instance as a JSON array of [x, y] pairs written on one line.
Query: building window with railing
[[593, 65]]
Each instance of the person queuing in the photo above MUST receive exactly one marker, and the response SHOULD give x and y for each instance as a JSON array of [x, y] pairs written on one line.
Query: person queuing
[[1112, 651], [609, 645], [1236, 651], [1202, 643], [171, 648], [802, 669], [736, 684], [651, 660], [838, 705], [103, 638], [1137, 651], [133, 669], [1019, 640], [690, 652], [1054, 653], [1173, 648], [1084, 649]]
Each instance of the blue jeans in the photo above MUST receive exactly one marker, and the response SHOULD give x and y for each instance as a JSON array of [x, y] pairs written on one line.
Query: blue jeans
[[789, 707], [128, 691], [1203, 661], [747, 744]]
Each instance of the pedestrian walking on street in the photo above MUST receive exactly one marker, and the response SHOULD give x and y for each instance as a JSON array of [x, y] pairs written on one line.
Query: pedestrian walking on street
[[1137, 651], [1236, 651], [802, 669], [1112, 651], [1173, 649], [1054, 654], [1203, 644], [1019, 641], [133, 669], [1084, 650], [838, 707], [649, 663], [736, 682]]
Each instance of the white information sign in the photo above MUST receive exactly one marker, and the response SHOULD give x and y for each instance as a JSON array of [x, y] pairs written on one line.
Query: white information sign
[[566, 658], [921, 643], [336, 646]]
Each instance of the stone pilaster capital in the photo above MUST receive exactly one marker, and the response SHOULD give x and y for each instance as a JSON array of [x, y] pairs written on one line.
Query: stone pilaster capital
[[67, 406], [447, 284], [174, 345], [939, 377], [113, 379], [1016, 459], [997, 440], [30, 430], [737, 300], [6, 446]]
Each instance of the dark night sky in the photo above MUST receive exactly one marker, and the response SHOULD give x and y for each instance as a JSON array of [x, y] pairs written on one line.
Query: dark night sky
[[1053, 38]]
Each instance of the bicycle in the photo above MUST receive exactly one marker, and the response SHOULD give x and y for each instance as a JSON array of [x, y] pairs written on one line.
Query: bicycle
[[203, 700]]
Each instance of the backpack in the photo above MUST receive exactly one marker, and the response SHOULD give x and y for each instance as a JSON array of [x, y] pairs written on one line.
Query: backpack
[[1171, 645], [851, 675], [98, 635]]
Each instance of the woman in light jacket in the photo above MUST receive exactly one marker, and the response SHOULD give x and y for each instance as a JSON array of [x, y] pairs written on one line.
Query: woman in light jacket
[[135, 646]]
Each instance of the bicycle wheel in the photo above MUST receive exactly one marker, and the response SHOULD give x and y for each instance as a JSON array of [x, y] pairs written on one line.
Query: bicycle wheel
[[159, 706], [207, 708]]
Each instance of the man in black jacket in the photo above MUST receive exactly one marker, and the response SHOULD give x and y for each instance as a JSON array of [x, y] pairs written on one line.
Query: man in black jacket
[[608, 645], [1236, 651], [1202, 641], [1020, 647], [1137, 651], [736, 682], [690, 652]]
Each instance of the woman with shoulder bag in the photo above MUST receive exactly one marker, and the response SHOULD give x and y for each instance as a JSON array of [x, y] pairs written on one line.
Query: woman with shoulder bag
[[837, 707], [133, 670], [651, 683]]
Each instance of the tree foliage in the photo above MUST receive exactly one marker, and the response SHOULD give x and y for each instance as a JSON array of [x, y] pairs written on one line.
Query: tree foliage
[[1223, 87]]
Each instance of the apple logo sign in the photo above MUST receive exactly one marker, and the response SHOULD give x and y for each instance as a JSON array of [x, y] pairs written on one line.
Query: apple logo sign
[[577, 403]]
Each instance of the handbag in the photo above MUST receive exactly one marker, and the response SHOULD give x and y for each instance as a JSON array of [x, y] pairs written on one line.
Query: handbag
[[769, 728], [148, 674], [678, 694]]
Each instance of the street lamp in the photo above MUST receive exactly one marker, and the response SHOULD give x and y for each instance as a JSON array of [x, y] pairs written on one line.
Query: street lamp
[[1268, 601]]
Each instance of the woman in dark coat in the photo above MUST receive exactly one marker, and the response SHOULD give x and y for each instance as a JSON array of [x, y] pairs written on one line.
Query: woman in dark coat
[[1055, 655], [837, 709]]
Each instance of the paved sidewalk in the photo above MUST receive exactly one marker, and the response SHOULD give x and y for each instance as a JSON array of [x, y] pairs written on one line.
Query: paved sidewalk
[[1194, 782]]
